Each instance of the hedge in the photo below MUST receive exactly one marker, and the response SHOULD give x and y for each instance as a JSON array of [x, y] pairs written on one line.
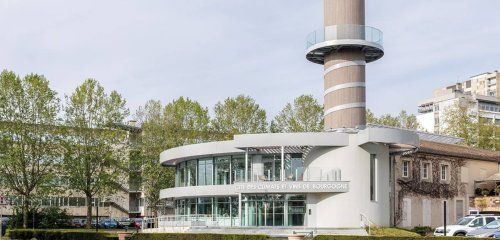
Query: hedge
[[187, 236], [81, 235], [26, 234], [194, 236], [339, 237]]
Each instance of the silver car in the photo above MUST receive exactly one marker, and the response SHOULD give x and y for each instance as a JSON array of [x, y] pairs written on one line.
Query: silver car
[[485, 231]]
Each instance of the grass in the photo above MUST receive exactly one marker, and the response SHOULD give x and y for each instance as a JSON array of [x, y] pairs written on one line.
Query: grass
[[392, 232]]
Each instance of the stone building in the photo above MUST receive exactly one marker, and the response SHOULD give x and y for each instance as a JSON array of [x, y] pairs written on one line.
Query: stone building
[[435, 173]]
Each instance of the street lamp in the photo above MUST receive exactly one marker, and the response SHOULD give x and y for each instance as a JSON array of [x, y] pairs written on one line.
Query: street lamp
[[97, 214]]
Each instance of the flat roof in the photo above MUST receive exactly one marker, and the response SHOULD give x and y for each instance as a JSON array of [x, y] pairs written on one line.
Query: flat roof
[[398, 137]]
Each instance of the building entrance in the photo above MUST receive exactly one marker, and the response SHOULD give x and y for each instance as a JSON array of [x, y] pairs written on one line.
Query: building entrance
[[273, 210]]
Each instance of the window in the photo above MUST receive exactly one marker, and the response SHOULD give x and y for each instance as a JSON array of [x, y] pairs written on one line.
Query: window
[[191, 168], [425, 170], [222, 170], [205, 171], [444, 172], [373, 177], [406, 168], [459, 209], [478, 222], [490, 219]]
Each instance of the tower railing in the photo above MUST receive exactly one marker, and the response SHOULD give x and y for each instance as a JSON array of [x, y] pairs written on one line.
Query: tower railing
[[344, 32]]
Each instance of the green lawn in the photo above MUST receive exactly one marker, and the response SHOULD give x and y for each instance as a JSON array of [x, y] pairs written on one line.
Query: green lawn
[[392, 232]]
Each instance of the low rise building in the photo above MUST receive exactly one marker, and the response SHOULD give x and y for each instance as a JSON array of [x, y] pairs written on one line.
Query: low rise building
[[437, 173]]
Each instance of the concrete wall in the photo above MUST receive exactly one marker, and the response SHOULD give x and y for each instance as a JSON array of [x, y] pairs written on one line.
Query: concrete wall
[[342, 210], [478, 170]]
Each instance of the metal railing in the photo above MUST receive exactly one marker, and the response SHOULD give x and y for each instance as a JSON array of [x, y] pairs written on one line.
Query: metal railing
[[301, 175], [366, 223], [342, 32], [197, 220], [307, 234]]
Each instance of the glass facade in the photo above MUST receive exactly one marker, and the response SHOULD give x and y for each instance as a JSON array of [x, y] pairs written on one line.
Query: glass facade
[[210, 171], [223, 170], [257, 209]]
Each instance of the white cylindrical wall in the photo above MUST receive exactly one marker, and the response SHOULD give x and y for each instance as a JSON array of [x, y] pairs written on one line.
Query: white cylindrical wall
[[342, 210]]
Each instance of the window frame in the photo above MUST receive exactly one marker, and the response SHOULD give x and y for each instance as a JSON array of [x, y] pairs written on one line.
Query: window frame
[[426, 172], [407, 175], [446, 169], [373, 177]]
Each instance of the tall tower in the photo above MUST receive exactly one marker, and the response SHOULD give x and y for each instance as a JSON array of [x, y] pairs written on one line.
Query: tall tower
[[344, 46]]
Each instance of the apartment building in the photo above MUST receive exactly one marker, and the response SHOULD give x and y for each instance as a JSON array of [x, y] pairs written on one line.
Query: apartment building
[[127, 201], [480, 93]]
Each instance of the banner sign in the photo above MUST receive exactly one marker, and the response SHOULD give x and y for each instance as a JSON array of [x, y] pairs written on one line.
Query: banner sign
[[257, 187], [292, 187]]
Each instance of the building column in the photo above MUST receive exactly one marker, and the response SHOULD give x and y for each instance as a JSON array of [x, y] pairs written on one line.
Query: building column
[[282, 163], [246, 165], [239, 209]]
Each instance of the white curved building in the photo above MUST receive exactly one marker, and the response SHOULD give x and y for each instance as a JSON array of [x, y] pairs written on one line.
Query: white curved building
[[313, 180]]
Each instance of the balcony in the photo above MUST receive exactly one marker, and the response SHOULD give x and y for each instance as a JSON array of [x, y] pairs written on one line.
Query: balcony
[[321, 42]]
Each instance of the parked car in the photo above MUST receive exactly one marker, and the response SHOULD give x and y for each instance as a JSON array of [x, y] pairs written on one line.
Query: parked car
[[136, 223], [487, 230], [78, 223], [108, 224], [124, 223], [466, 225]]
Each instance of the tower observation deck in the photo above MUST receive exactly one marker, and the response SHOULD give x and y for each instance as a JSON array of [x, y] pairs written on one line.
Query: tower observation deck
[[344, 46]]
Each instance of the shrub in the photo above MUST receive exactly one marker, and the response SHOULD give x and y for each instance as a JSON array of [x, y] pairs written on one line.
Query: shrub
[[422, 230], [25, 234], [192, 236], [46, 218]]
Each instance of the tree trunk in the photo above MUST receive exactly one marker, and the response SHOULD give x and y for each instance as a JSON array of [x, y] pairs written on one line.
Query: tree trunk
[[25, 213], [88, 225]]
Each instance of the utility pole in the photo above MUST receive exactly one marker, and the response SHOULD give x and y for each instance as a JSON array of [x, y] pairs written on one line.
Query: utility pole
[[444, 217], [97, 214]]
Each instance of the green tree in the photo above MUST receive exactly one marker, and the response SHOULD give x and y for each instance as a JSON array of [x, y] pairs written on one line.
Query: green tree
[[183, 121], [370, 117], [153, 141], [408, 121], [403, 120], [239, 115], [186, 122], [489, 135], [96, 151], [28, 139], [305, 115], [389, 120], [460, 121]]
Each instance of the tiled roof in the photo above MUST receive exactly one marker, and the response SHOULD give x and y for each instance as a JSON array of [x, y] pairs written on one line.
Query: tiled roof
[[458, 151]]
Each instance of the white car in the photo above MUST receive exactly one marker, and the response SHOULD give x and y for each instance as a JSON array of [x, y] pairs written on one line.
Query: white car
[[466, 225]]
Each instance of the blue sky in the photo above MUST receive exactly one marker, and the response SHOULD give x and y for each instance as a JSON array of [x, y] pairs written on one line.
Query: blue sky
[[212, 49]]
